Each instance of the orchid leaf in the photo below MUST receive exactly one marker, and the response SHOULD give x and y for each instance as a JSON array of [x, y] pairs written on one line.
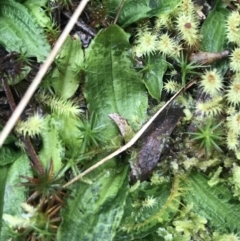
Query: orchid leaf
[[112, 85], [94, 211], [213, 28], [65, 79]]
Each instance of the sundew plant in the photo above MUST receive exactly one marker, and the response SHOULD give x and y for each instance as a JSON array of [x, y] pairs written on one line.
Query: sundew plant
[[133, 133]]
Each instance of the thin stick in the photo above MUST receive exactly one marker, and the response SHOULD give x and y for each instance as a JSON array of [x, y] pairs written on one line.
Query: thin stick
[[132, 141], [28, 145], [119, 11], [8, 94], [37, 80]]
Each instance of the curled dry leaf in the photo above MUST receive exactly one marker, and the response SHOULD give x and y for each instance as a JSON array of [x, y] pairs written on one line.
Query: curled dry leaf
[[207, 57], [152, 143], [123, 126]]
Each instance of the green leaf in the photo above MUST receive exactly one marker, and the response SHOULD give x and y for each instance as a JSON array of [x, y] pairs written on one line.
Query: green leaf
[[52, 145], [112, 85], [19, 31], [70, 133], [153, 76], [214, 203], [135, 10], [8, 155], [13, 194], [3, 178], [64, 78], [35, 7], [94, 211], [213, 30]]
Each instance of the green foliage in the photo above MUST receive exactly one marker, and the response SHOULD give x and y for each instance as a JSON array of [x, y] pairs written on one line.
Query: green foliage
[[91, 133], [8, 155], [64, 77], [187, 67], [235, 181], [136, 10], [47, 185], [32, 220], [149, 207], [52, 145], [20, 30], [13, 194], [111, 80], [189, 224], [214, 29], [213, 203], [36, 8], [153, 74], [208, 137], [96, 207], [3, 179], [177, 203], [61, 107]]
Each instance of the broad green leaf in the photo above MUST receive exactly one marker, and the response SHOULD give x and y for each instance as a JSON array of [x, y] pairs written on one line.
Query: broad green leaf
[[12, 193], [65, 79], [19, 31], [35, 7], [94, 211], [214, 203], [135, 10], [213, 30], [153, 76], [112, 85]]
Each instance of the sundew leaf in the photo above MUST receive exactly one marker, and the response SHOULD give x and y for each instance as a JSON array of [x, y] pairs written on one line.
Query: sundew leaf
[[112, 85], [65, 79], [153, 77], [149, 207], [12, 193], [20, 32], [135, 10], [214, 203], [94, 211], [213, 30]]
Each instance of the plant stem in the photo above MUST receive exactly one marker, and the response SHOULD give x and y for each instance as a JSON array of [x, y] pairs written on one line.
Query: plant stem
[[184, 77], [28, 145]]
